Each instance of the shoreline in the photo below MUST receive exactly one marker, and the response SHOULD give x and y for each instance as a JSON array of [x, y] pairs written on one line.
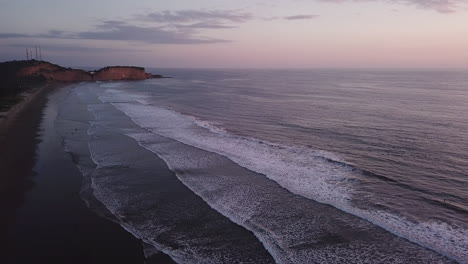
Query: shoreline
[[44, 217], [26, 98]]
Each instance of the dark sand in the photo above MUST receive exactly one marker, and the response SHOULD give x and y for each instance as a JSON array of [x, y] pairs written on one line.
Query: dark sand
[[43, 219]]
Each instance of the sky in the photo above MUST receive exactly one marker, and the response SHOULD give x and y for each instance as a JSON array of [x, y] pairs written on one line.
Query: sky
[[239, 33]]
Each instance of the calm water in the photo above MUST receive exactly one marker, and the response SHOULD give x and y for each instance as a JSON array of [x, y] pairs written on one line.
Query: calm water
[[390, 147]]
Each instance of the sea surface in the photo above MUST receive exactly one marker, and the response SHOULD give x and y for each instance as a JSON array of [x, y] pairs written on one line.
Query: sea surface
[[286, 166]]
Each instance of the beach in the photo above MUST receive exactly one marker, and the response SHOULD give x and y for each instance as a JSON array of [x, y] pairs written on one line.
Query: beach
[[193, 170], [43, 216]]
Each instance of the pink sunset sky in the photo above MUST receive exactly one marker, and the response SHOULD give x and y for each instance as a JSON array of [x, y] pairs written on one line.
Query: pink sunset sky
[[239, 34]]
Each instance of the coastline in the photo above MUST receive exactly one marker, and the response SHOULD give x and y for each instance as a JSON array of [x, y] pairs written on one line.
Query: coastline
[[21, 81], [44, 217], [26, 98]]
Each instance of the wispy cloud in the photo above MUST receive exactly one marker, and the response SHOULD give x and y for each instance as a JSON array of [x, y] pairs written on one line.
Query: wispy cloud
[[205, 25], [165, 27], [126, 32], [293, 17], [442, 6], [197, 19], [71, 48], [13, 35], [300, 17], [199, 16], [119, 30], [179, 27]]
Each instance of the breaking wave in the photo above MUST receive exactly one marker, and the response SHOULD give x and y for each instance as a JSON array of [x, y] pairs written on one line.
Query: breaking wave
[[313, 174]]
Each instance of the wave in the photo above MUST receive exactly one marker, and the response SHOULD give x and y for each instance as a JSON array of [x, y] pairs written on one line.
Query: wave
[[313, 174], [120, 183]]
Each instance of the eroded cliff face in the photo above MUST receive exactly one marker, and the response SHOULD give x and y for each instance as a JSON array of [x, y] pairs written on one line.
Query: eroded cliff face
[[37, 68], [70, 75], [121, 73], [16, 76], [55, 73]]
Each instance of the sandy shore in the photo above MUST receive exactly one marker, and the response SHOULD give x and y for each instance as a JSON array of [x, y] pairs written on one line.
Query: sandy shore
[[7, 117], [43, 216]]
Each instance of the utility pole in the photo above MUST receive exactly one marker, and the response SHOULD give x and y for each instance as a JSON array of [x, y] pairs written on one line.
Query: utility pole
[[27, 54], [40, 53], [37, 57]]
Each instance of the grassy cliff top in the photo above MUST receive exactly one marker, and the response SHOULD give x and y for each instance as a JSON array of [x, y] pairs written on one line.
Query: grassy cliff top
[[11, 67], [112, 67]]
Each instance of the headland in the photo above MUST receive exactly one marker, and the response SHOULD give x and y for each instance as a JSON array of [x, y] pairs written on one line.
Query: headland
[[15, 76], [34, 219], [20, 80]]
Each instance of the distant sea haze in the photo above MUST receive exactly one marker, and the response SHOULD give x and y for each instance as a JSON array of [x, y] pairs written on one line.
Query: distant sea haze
[[358, 165]]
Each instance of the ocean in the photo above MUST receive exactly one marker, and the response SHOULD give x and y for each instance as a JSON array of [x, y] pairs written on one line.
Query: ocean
[[285, 166]]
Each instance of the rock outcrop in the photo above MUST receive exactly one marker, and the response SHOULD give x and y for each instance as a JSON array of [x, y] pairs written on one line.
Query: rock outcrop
[[120, 73], [15, 75], [52, 72], [67, 75]]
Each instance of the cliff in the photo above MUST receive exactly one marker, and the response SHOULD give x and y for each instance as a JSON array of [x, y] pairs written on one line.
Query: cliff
[[121, 73], [11, 83], [15, 76], [52, 72]]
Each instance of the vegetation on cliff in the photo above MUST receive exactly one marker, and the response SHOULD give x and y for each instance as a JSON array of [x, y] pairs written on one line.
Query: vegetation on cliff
[[11, 84]]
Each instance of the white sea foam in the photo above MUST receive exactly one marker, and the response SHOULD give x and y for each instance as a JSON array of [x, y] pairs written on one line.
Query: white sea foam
[[300, 170], [133, 206]]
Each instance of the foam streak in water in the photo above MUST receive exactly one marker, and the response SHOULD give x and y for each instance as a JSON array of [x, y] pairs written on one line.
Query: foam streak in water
[[300, 170]]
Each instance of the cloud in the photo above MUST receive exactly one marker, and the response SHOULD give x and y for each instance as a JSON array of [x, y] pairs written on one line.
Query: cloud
[[70, 48], [118, 30], [294, 17], [123, 31], [165, 27], [190, 16], [197, 19], [442, 6], [13, 35], [206, 25], [300, 17]]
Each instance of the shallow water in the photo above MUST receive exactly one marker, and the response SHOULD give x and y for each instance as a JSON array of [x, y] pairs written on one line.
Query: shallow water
[[43, 214]]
